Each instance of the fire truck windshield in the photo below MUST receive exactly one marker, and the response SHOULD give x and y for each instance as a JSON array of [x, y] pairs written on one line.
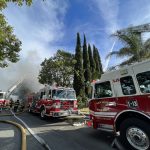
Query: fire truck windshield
[[55, 93], [66, 94]]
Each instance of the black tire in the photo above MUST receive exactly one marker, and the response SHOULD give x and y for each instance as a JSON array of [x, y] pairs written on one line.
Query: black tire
[[132, 130], [42, 116]]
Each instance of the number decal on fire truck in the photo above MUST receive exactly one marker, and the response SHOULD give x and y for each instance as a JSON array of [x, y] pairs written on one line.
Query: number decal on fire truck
[[132, 104]]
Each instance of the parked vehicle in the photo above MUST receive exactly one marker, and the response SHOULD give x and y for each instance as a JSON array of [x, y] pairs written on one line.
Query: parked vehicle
[[55, 102], [6, 96], [120, 103], [3, 100], [31, 101]]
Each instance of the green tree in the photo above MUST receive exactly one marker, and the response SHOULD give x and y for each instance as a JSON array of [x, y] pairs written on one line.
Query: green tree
[[99, 62], [98, 65], [58, 68], [134, 49], [45, 75], [65, 63], [78, 83], [3, 3], [10, 45], [92, 62], [86, 67]]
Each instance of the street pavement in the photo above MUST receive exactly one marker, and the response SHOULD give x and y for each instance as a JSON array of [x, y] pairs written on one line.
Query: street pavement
[[59, 135], [10, 137]]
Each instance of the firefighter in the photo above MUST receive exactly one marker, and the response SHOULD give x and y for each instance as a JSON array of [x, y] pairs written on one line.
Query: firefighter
[[0, 108], [17, 103], [11, 103], [22, 106]]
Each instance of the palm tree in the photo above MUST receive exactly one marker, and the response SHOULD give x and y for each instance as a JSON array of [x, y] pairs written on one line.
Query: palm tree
[[134, 48]]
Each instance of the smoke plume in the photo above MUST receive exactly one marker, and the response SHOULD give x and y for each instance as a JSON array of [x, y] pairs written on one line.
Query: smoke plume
[[27, 68]]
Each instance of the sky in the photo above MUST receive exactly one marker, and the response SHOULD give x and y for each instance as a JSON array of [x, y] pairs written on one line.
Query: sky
[[47, 26]]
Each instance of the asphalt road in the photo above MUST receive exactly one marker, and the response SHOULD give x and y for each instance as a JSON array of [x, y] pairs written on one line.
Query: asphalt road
[[9, 137], [58, 134]]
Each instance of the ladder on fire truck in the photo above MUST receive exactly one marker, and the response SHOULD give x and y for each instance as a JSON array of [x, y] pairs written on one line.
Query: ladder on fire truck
[[13, 88], [136, 29]]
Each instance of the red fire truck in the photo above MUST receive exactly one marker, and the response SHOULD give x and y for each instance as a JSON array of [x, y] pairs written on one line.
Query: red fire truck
[[55, 102], [29, 99], [5, 96], [2, 99], [120, 102]]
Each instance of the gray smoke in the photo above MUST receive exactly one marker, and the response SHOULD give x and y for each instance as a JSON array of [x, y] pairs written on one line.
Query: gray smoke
[[27, 68]]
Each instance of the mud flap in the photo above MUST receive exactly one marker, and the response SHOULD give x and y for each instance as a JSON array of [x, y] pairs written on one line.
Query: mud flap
[[117, 145]]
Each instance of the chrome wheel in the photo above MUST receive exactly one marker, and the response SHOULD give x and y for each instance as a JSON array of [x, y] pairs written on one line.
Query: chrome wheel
[[137, 138], [43, 112]]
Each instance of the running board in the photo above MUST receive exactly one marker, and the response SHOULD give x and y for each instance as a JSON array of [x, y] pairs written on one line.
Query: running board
[[104, 129]]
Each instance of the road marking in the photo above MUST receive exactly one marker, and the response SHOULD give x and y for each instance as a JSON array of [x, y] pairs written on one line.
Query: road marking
[[6, 133], [39, 139]]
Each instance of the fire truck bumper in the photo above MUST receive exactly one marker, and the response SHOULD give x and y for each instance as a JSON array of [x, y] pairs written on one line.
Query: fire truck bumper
[[63, 113]]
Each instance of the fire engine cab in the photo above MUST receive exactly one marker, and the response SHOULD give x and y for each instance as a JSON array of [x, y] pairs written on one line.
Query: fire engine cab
[[55, 102], [120, 102]]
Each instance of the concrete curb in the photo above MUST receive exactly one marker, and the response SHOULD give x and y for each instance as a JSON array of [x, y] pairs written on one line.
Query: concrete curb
[[23, 132]]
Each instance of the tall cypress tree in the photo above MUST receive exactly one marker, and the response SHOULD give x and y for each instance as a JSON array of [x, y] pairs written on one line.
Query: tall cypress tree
[[78, 83], [97, 67], [86, 67], [98, 63], [84, 53], [92, 62]]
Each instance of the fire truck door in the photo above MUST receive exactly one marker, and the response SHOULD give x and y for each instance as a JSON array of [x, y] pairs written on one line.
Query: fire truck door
[[142, 77], [106, 99], [144, 85]]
